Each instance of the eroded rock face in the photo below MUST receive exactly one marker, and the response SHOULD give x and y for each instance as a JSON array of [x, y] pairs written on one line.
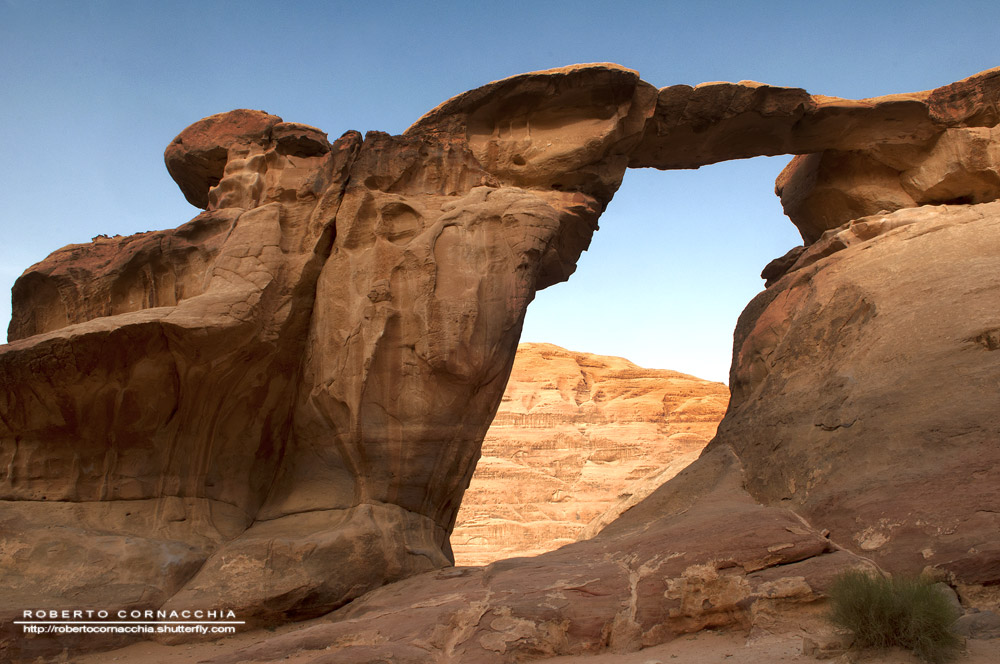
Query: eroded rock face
[[698, 553], [825, 190], [158, 428], [577, 440], [881, 343], [278, 406], [858, 463], [862, 157], [306, 390]]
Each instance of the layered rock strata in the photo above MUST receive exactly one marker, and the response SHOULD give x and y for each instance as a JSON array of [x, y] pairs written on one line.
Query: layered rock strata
[[278, 406], [577, 440]]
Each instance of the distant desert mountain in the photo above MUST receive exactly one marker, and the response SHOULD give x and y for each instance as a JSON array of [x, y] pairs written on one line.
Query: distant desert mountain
[[578, 439]]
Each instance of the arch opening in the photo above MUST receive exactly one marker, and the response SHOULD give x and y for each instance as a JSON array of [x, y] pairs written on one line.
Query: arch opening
[[677, 257]]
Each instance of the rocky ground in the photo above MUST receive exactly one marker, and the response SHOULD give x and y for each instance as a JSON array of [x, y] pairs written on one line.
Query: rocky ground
[[706, 647]]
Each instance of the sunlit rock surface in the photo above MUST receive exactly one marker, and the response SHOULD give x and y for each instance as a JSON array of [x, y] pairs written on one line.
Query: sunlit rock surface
[[578, 439]]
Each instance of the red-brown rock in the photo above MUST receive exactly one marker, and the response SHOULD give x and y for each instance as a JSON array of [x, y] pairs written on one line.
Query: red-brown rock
[[197, 157], [309, 389], [864, 391]]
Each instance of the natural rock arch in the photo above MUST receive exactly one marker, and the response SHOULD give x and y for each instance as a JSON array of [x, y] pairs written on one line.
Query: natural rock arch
[[298, 379]]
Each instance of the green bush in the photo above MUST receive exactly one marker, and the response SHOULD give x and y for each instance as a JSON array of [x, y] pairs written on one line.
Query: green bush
[[904, 612]]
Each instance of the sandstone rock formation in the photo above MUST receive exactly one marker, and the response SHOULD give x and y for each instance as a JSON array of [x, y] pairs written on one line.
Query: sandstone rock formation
[[577, 440], [863, 156], [860, 462], [698, 553], [278, 406], [826, 189], [308, 392], [881, 344]]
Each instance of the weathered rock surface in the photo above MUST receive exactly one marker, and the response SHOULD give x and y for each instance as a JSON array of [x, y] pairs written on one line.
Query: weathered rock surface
[[864, 391], [650, 576], [278, 406], [743, 538], [577, 440], [318, 387], [864, 156], [827, 189]]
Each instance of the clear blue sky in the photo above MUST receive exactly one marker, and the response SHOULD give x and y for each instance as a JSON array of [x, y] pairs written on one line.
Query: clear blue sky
[[94, 90]]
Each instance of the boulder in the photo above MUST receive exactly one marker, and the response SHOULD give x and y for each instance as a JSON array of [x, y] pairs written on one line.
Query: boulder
[[196, 159]]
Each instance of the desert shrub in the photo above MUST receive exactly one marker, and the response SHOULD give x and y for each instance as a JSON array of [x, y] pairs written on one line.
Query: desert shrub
[[905, 612]]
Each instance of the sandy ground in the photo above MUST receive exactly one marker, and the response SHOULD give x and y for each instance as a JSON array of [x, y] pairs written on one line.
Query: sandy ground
[[706, 647], [711, 647]]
